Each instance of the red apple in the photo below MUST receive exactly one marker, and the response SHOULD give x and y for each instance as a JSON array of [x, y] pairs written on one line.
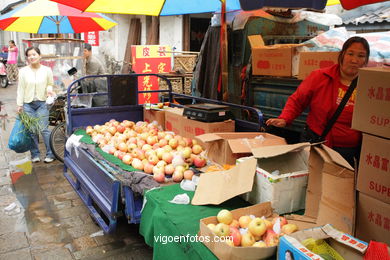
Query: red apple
[[120, 128], [271, 238], [235, 236], [235, 224], [148, 168], [283, 221], [199, 162], [159, 177], [127, 159], [167, 157]]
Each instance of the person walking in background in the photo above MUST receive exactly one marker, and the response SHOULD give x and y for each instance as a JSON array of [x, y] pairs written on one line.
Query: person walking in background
[[12, 62], [34, 86], [93, 66], [322, 91]]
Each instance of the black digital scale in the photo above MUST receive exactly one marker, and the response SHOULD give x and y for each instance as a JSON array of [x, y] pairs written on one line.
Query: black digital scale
[[208, 112]]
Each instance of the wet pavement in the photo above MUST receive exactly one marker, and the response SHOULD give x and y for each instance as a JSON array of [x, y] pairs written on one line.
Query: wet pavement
[[41, 217]]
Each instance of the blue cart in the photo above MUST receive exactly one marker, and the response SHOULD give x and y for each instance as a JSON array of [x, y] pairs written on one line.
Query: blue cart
[[100, 190]]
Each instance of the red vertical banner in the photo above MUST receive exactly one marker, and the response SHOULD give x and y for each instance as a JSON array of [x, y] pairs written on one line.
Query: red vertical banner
[[150, 59], [92, 38]]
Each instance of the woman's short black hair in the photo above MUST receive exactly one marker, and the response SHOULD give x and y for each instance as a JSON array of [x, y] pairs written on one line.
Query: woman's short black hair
[[12, 41], [349, 42], [32, 48]]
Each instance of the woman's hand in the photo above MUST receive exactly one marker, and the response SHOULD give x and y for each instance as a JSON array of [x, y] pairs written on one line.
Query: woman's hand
[[278, 122], [20, 109]]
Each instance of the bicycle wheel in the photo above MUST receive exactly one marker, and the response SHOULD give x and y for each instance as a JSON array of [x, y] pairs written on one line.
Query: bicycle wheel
[[3, 81], [58, 140]]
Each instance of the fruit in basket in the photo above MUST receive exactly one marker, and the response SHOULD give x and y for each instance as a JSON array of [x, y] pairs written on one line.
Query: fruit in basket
[[222, 230], [229, 242], [283, 221], [271, 238], [244, 221], [186, 152], [225, 216], [257, 227], [235, 223], [267, 223], [247, 240], [289, 228], [235, 236], [260, 244], [211, 226]]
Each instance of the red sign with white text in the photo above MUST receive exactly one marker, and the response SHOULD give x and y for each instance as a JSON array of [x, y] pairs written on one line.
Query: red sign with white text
[[150, 59], [92, 38]]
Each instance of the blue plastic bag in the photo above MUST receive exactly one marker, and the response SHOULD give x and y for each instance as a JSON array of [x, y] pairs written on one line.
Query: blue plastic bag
[[20, 139]]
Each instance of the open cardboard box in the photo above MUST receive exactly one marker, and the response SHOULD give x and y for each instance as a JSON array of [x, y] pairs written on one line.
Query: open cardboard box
[[287, 190], [226, 148], [224, 251], [330, 196], [348, 247]]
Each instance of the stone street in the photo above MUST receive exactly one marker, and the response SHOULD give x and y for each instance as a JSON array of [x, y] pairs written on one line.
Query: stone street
[[41, 217]]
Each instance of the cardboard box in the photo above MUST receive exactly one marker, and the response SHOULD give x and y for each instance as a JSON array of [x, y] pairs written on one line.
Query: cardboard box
[[309, 61], [181, 125], [223, 251], [287, 190], [226, 148], [372, 219], [231, 183], [151, 115], [272, 60], [348, 247], [330, 195], [374, 168], [372, 105]]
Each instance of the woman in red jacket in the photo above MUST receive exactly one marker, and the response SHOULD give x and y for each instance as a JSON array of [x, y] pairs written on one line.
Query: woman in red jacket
[[322, 91]]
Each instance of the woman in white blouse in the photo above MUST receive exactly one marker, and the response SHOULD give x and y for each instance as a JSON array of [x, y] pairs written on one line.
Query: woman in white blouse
[[34, 86]]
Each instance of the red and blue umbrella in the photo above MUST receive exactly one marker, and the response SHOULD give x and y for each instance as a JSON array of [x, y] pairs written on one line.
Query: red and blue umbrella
[[44, 16]]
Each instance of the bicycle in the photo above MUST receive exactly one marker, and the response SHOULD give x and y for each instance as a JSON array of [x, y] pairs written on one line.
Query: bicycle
[[58, 134]]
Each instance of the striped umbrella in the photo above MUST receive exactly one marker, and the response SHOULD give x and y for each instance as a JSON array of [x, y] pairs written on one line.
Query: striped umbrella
[[151, 7], [44, 16]]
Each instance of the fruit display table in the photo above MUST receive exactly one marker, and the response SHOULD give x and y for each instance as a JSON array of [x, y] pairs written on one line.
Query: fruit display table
[[162, 218]]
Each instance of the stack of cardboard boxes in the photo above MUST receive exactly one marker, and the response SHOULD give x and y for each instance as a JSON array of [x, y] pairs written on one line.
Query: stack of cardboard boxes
[[372, 117]]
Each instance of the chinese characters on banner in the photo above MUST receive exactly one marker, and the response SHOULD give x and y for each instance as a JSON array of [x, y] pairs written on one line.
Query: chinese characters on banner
[[92, 38], [150, 59]]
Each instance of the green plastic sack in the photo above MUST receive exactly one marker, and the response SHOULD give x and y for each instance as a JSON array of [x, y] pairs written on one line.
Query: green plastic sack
[[20, 139]]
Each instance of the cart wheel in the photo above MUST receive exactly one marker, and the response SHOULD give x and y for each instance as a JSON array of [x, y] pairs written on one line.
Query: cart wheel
[[58, 140], [4, 82]]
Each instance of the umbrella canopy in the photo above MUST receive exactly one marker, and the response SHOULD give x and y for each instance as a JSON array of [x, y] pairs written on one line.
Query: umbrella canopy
[[150, 7], [44, 16]]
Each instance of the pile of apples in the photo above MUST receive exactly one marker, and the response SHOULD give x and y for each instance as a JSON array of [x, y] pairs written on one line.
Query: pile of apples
[[145, 147], [250, 230]]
